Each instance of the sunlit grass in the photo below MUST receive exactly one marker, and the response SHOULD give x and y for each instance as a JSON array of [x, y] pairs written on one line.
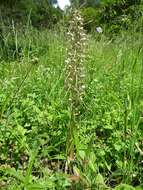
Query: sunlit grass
[[34, 114]]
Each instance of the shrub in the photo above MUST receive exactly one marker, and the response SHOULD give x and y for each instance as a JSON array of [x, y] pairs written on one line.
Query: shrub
[[90, 16]]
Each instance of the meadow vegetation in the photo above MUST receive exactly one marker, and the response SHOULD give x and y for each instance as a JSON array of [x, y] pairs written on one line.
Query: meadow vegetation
[[35, 114]]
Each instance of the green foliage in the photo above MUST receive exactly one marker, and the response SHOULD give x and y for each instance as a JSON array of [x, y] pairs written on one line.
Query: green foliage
[[34, 114], [40, 13], [124, 187], [85, 3], [90, 18], [114, 16], [18, 181], [120, 15]]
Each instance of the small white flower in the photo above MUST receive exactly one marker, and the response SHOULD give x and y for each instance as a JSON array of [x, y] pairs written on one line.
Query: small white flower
[[99, 29], [83, 86]]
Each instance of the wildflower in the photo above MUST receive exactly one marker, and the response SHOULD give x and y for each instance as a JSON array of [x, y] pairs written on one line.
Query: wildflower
[[35, 60], [99, 29], [75, 59], [74, 78]]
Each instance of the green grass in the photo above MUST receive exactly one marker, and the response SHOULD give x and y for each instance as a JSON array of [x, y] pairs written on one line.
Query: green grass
[[34, 114]]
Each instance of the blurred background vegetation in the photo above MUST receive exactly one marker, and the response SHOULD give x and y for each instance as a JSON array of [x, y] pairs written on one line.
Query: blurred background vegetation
[[34, 112], [114, 15]]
